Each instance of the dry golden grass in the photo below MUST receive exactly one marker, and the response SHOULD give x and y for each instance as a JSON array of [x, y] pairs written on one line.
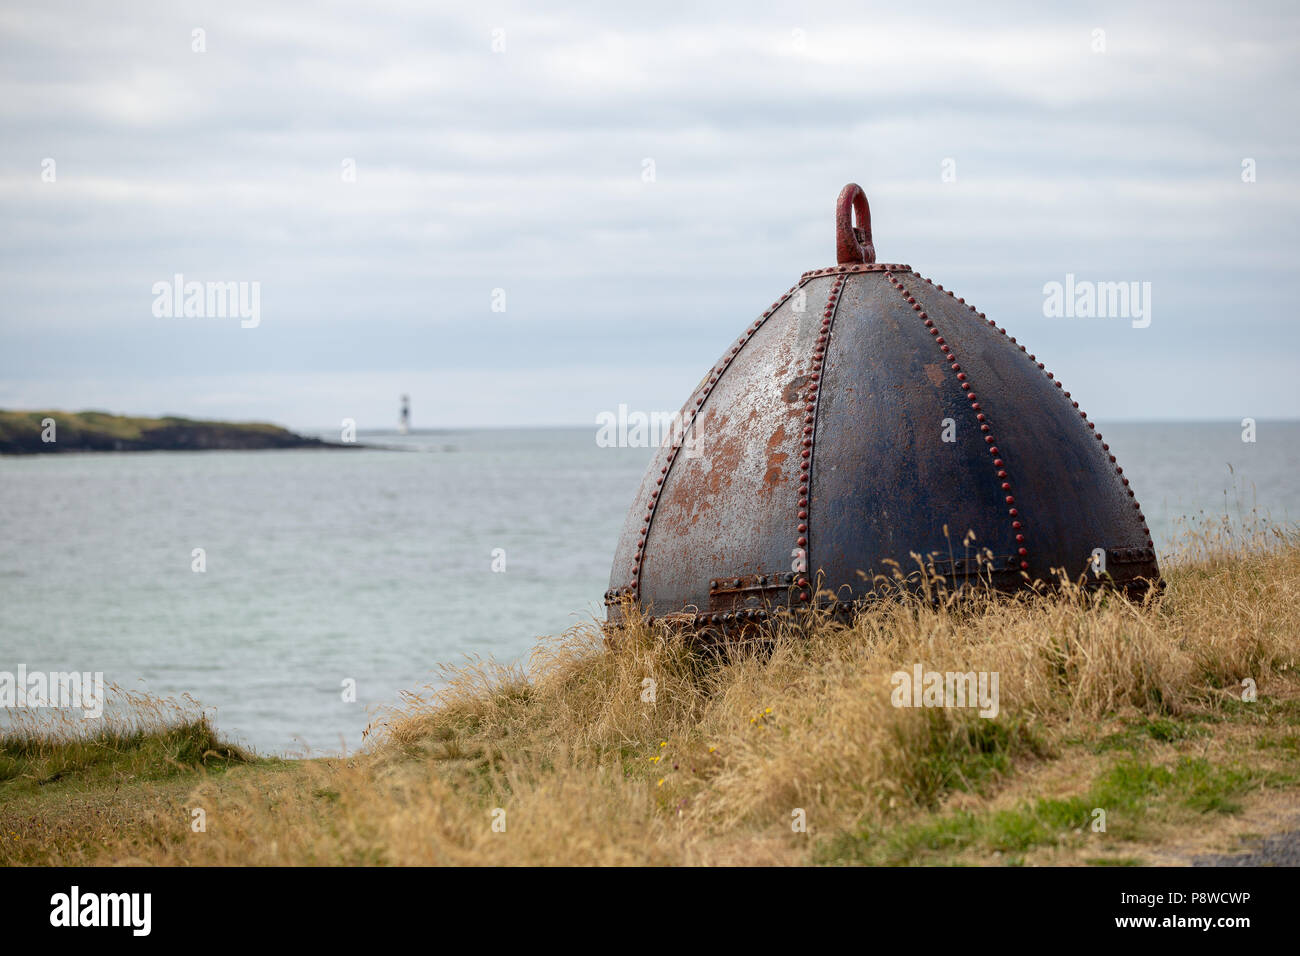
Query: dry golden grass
[[1101, 699]]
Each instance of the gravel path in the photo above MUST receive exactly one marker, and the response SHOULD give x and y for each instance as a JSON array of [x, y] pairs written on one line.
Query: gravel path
[[1281, 849]]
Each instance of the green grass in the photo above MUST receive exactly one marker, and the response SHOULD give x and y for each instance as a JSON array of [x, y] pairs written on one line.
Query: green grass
[[1137, 734], [969, 758], [30, 764], [1131, 791]]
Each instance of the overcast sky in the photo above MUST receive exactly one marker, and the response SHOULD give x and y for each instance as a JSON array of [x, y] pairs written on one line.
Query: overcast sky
[[1114, 156]]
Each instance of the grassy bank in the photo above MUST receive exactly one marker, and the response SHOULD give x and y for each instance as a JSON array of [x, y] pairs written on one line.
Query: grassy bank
[[649, 752], [49, 432]]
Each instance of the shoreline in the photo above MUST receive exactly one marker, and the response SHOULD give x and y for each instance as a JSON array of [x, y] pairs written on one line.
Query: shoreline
[[45, 432]]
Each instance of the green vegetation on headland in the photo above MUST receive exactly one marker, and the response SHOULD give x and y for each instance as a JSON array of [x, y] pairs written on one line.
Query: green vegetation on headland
[[1126, 733], [31, 433]]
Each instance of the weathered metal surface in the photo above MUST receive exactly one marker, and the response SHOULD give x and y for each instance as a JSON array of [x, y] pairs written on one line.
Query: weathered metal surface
[[868, 424]]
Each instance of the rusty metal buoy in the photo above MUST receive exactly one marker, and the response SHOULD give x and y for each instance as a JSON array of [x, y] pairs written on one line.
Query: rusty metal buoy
[[869, 417]]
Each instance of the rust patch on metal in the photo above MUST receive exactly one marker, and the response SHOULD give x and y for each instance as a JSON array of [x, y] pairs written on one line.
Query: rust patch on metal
[[791, 393], [777, 439]]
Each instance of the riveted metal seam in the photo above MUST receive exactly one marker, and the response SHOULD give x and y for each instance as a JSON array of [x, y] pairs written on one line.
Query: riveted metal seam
[[719, 369], [1105, 447], [857, 267], [803, 511], [985, 426]]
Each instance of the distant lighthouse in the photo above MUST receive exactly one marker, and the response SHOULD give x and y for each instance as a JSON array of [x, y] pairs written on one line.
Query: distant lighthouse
[[404, 424]]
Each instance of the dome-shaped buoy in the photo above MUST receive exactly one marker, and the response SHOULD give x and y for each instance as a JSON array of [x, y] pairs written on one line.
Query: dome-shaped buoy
[[868, 417]]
